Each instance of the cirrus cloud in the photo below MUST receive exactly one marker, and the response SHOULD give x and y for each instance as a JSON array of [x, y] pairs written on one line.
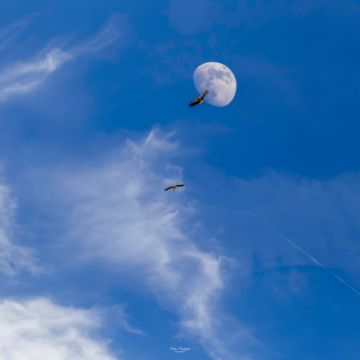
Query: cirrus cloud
[[120, 215], [13, 257], [23, 77]]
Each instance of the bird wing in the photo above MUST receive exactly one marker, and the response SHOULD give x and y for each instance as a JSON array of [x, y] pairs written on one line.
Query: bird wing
[[173, 187], [195, 102], [205, 93]]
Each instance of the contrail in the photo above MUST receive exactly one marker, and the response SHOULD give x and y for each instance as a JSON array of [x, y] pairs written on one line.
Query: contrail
[[306, 254]]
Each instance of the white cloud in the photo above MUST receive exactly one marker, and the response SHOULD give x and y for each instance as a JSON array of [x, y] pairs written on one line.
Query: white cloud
[[39, 329], [13, 258], [26, 76], [121, 215]]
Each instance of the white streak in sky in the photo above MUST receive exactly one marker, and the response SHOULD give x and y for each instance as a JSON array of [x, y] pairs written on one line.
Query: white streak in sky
[[306, 254]]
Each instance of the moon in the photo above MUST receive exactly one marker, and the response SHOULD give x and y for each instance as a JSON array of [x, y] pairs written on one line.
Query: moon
[[219, 80]]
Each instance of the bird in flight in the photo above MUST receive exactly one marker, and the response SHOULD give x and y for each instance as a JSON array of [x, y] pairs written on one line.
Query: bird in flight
[[173, 187], [199, 99]]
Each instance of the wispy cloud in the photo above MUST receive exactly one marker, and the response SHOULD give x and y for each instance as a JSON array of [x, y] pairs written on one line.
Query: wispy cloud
[[39, 329], [121, 215], [114, 31], [119, 311], [25, 76], [13, 258], [9, 33]]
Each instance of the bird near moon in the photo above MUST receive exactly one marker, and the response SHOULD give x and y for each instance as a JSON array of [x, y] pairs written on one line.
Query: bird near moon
[[219, 80]]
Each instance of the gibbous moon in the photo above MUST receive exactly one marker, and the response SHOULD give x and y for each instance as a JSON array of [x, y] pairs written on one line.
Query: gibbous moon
[[219, 80]]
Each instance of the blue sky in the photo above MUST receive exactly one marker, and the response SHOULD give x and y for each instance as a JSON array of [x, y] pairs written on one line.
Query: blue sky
[[98, 262]]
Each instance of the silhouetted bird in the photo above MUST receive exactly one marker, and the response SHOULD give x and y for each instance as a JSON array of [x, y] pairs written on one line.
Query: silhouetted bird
[[174, 187], [200, 99]]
